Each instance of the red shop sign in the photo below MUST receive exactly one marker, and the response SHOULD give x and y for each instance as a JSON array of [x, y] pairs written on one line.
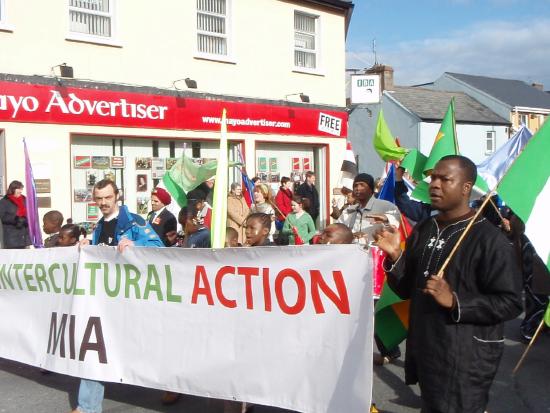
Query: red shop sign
[[22, 102]]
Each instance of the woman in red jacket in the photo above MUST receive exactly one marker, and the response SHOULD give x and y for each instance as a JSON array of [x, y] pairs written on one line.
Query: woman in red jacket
[[283, 198]]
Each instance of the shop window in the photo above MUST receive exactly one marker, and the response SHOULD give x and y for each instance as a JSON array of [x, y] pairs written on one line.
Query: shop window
[[91, 19], [490, 142], [213, 28], [306, 41]]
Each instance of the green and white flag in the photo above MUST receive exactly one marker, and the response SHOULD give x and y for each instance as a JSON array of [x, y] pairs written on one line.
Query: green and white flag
[[526, 190]]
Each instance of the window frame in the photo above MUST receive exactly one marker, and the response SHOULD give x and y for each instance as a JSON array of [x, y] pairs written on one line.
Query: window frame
[[230, 56], [490, 136], [4, 25], [91, 38], [523, 116], [318, 58]]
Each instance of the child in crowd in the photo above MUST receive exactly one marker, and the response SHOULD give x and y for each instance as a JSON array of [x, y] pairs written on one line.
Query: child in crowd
[[69, 234], [231, 237], [257, 227], [52, 222], [204, 210], [197, 234], [299, 223]]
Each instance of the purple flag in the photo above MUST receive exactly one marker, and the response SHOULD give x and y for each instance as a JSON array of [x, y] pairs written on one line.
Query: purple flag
[[31, 203]]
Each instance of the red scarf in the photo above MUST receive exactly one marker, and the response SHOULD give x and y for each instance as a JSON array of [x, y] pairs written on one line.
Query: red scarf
[[20, 204]]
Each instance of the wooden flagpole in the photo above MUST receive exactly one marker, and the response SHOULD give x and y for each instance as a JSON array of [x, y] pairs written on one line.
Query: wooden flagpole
[[539, 329], [497, 210]]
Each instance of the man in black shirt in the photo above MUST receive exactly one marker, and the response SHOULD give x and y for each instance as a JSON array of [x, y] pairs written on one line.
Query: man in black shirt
[[308, 190]]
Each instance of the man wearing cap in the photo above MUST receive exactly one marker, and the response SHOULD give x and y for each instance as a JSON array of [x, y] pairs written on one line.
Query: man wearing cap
[[368, 213], [163, 221]]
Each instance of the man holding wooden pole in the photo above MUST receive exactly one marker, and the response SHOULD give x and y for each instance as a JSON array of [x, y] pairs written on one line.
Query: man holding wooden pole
[[463, 281]]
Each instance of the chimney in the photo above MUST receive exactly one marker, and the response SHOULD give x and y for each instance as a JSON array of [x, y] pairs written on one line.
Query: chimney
[[386, 75], [538, 86]]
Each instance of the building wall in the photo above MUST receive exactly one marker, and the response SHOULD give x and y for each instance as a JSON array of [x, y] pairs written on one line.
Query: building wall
[[471, 139], [362, 126], [533, 121], [156, 45]]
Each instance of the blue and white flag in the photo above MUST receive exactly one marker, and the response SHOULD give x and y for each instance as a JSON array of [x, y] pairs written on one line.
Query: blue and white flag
[[387, 192], [495, 166]]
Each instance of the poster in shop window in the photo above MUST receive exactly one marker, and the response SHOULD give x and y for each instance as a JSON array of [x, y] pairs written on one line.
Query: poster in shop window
[[262, 164], [117, 162], [143, 163], [296, 164], [82, 162], [92, 212], [83, 195], [157, 168], [273, 166], [91, 177], [142, 205], [307, 164], [109, 174], [141, 183], [170, 162], [274, 178], [101, 162]]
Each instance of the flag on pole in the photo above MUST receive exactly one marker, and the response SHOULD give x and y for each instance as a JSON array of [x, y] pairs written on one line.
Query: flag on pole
[[384, 143], [247, 184], [186, 175], [31, 204], [387, 192], [445, 142], [496, 165], [391, 318], [414, 163], [547, 315], [525, 188], [219, 207], [391, 314], [348, 169]]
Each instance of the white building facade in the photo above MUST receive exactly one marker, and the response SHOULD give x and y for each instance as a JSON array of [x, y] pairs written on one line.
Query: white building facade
[[130, 106]]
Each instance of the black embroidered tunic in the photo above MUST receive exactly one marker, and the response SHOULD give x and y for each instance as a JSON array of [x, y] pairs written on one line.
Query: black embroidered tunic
[[454, 355]]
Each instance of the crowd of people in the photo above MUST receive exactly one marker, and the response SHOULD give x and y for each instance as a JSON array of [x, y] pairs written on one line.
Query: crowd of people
[[455, 339]]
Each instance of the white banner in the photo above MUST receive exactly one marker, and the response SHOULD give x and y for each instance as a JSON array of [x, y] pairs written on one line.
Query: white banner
[[283, 326]]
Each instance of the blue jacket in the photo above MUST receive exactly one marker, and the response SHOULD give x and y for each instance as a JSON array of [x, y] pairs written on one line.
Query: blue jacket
[[133, 227]]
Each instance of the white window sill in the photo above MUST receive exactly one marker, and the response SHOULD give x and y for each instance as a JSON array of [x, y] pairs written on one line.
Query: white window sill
[[216, 58], [5, 27], [103, 41], [305, 70]]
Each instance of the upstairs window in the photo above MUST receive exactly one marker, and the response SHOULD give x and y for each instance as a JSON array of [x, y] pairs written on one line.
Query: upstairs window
[[213, 27], [490, 142], [91, 18], [306, 42], [522, 119], [3, 17]]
